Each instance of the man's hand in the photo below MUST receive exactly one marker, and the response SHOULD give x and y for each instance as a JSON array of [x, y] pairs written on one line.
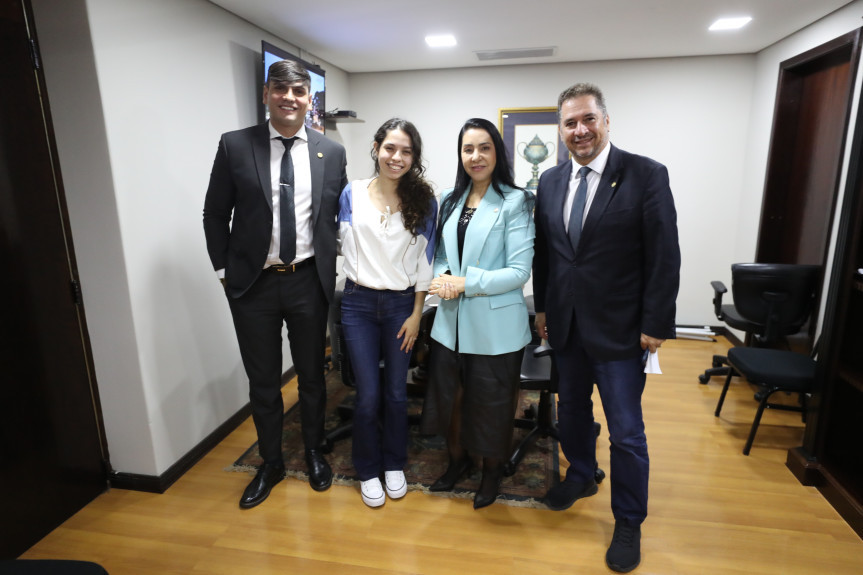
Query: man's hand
[[650, 343], [539, 325]]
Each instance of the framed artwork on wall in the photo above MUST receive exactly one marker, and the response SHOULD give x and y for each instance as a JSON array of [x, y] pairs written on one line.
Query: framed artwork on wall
[[532, 142]]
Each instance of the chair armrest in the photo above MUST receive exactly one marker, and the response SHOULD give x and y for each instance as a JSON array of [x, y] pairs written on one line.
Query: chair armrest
[[718, 289]]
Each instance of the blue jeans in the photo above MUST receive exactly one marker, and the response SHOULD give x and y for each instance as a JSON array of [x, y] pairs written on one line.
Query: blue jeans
[[371, 320], [620, 384]]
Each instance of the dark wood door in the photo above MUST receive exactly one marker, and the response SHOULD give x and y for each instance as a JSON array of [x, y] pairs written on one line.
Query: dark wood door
[[52, 449], [813, 108]]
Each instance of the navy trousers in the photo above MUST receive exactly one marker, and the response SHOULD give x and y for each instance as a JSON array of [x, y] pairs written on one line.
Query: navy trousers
[[620, 385]]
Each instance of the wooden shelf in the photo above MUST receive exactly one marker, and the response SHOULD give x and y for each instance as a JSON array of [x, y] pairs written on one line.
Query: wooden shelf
[[343, 120]]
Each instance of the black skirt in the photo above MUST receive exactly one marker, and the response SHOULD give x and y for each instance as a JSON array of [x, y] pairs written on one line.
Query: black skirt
[[490, 385]]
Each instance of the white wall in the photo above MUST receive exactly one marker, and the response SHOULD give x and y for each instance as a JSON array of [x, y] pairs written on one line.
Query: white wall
[[687, 113], [140, 92]]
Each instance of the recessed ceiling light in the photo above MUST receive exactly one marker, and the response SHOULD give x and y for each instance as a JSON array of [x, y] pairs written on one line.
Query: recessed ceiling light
[[441, 41], [730, 23]]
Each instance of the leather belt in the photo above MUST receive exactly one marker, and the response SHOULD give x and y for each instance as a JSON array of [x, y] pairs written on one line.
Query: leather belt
[[289, 269]]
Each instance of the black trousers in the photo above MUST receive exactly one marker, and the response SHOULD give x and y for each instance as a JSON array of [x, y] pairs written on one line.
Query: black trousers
[[298, 300]]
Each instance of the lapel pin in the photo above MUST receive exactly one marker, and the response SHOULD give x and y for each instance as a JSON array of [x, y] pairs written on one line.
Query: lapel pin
[[613, 184], [320, 155], [495, 210]]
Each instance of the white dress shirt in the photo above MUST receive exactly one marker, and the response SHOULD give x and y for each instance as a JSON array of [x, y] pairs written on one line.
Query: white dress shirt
[[302, 195], [596, 166]]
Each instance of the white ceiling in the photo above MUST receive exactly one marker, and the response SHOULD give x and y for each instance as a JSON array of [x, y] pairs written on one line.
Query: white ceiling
[[378, 35]]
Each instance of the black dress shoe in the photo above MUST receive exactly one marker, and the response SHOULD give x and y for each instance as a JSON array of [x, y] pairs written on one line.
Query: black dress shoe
[[453, 473], [565, 493], [598, 475], [488, 488], [258, 490], [320, 473]]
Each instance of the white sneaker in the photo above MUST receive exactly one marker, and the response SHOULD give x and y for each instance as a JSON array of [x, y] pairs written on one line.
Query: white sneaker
[[397, 486], [372, 492]]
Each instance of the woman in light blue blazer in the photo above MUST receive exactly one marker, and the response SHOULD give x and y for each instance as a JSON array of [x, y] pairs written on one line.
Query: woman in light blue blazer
[[483, 259]]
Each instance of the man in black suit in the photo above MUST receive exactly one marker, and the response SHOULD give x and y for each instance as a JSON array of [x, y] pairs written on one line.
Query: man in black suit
[[606, 274], [281, 184]]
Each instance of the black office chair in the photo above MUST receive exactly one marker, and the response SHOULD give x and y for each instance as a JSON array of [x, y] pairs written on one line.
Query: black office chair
[[539, 374], [773, 370], [771, 302], [342, 362], [50, 567]]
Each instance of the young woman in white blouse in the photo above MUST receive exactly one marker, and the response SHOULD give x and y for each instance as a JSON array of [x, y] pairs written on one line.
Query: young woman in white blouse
[[387, 237]]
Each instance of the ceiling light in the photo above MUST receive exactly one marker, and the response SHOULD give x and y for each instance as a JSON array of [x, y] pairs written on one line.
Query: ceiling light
[[730, 23], [441, 41]]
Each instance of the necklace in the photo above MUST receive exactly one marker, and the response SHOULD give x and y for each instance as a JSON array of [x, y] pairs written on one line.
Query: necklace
[[466, 215]]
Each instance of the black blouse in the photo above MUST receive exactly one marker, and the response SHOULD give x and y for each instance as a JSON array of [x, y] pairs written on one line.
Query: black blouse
[[463, 221]]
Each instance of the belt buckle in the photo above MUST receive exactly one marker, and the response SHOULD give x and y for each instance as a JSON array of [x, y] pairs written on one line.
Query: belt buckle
[[293, 268]]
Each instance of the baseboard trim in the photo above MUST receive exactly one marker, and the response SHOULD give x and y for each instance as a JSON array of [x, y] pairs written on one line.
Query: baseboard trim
[[161, 483], [809, 471], [718, 330], [728, 334], [805, 468]]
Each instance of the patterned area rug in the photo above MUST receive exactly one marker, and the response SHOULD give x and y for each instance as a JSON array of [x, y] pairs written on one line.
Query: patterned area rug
[[427, 456]]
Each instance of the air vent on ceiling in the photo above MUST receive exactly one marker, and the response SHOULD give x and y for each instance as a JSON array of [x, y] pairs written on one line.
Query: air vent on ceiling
[[516, 53]]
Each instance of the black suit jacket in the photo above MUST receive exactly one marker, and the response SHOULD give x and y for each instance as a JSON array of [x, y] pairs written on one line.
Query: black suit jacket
[[240, 187], [624, 277]]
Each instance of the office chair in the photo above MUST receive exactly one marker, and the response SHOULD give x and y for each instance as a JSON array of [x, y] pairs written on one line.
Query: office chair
[[762, 292], [50, 567], [342, 362], [538, 373], [773, 370]]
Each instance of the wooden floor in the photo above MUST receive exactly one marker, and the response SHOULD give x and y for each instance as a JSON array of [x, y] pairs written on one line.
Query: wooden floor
[[712, 510]]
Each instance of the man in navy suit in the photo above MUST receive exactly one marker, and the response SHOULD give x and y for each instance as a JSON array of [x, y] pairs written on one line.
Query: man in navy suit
[[280, 183], [606, 274]]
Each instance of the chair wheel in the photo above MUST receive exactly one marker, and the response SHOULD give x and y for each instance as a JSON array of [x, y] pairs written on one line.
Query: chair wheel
[[703, 378], [508, 469]]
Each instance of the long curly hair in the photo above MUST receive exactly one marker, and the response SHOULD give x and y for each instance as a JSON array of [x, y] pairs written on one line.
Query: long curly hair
[[414, 192]]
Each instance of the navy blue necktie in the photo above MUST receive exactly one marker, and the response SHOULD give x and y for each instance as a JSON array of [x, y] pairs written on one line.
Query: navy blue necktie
[[287, 217], [577, 212]]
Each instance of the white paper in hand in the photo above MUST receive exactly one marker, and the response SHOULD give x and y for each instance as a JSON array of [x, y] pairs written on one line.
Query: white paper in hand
[[652, 364]]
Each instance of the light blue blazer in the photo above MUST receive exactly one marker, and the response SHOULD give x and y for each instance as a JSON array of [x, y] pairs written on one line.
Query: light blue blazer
[[491, 316]]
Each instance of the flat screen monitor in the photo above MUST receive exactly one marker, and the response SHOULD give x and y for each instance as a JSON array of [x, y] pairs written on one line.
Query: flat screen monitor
[[315, 115]]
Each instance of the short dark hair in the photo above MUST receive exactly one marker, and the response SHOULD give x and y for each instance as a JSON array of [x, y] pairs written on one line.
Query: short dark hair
[[288, 72], [582, 89]]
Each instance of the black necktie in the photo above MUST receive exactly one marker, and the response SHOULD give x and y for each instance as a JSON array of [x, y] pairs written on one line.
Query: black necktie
[[577, 212], [287, 217]]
